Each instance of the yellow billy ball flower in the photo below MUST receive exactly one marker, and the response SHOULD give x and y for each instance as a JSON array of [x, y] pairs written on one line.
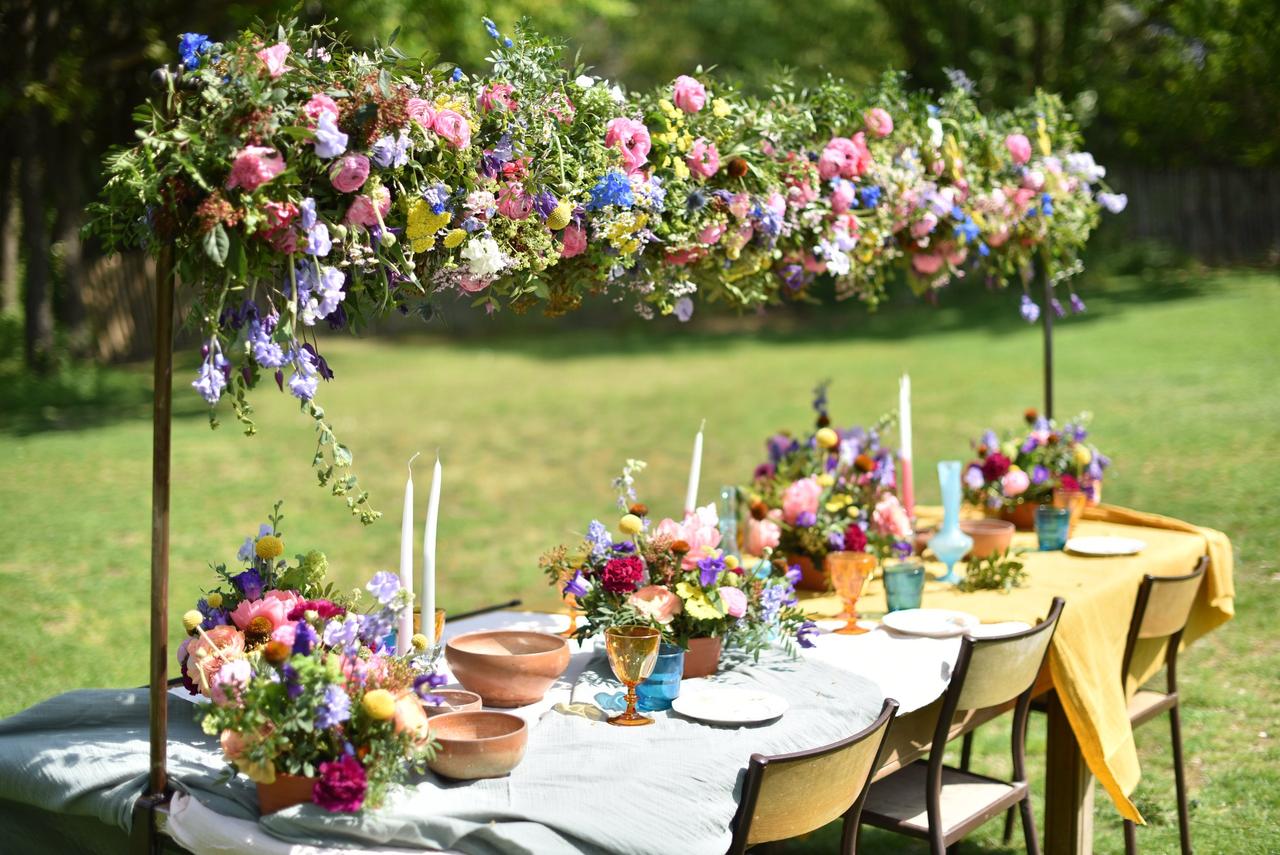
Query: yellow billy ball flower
[[454, 238], [1083, 455], [419, 642], [379, 704], [731, 562], [828, 438], [826, 479], [269, 547], [214, 600], [191, 621], [559, 218], [631, 524]]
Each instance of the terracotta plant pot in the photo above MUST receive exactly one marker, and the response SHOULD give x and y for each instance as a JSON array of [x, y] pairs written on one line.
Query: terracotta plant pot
[[285, 791], [478, 744], [811, 578], [990, 536], [1022, 516], [455, 700], [507, 667], [702, 659]]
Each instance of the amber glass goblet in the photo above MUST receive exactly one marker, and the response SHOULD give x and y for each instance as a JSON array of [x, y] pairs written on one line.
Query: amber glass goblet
[[633, 652], [848, 572], [439, 627]]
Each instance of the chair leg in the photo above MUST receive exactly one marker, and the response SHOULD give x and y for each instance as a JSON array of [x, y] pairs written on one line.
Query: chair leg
[[1179, 778], [1130, 838], [966, 751], [1029, 827], [937, 843]]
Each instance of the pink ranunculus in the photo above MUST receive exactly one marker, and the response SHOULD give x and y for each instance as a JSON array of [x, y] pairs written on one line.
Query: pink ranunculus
[[472, 284], [1019, 148], [1014, 483], [497, 96], [1022, 198], [453, 127], [656, 603], [272, 608], [273, 58], [631, 138], [1033, 180], [735, 601], [813, 264], [703, 158], [514, 203], [206, 653], [847, 157], [253, 166], [712, 233], [362, 211], [575, 241], [688, 94], [800, 497], [998, 238], [925, 225], [926, 263], [320, 104], [879, 122], [761, 535], [230, 681], [421, 112], [349, 172], [889, 517], [700, 529], [842, 197]]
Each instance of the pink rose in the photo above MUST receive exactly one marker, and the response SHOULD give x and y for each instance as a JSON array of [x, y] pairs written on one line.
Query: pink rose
[[1014, 483], [842, 197], [273, 58], [575, 241], [703, 158], [362, 211], [453, 127], [631, 138], [847, 157], [879, 122], [800, 497], [253, 166], [320, 104], [889, 517], [656, 603], [279, 216], [712, 233], [349, 172], [735, 601], [761, 535], [1019, 148], [498, 97], [514, 203], [420, 111], [926, 264], [688, 94]]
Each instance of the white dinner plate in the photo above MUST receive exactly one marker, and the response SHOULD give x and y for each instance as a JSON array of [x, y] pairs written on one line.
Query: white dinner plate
[[930, 623], [729, 705], [1105, 546]]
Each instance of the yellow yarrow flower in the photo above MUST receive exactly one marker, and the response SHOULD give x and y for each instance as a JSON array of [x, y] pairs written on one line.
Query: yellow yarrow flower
[[721, 108], [681, 170], [269, 547], [685, 142], [379, 704], [454, 238]]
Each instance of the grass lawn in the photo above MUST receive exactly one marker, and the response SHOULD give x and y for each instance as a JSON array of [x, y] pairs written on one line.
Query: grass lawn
[[1180, 372]]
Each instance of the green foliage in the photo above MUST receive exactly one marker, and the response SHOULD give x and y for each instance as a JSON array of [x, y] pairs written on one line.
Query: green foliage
[[999, 572]]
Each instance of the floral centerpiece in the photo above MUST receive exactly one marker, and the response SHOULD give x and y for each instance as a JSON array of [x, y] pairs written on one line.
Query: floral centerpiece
[[676, 576], [302, 183], [306, 696], [1014, 475], [833, 489]]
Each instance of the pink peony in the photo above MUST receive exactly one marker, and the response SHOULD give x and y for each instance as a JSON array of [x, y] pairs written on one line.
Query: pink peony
[[1014, 483], [712, 233], [320, 104], [253, 166], [735, 601], [631, 138], [273, 58], [700, 529], [575, 241], [497, 96], [688, 94], [207, 653], [847, 157], [421, 112], [453, 127], [879, 122], [703, 158], [349, 172], [656, 603], [1019, 148], [362, 211], [800, 497], [761, 535], [889, 517], [274, 609], [926, 264]]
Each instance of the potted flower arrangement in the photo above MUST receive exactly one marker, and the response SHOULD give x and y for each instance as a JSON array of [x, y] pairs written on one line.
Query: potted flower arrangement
[[307, 698], [675, 576], [1010, 477], [831, 490]]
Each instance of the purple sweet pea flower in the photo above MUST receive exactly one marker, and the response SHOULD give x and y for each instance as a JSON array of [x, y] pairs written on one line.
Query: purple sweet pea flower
[[794, 574], [384, 585], [990, 440], [334, 709], [1057, 308], [973, 478], [1029, 310], [330, 142], [805, 519], [424, 683], [1030, 444], [1077, 305], [1039, 474], [304, 638]]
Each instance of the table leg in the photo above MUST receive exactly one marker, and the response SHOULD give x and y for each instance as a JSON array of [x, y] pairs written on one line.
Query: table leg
[[1068, 791]]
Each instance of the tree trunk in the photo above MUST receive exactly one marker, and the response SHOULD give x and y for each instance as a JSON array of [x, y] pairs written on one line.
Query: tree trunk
[[10, 223], [67, 191], [38, 328]]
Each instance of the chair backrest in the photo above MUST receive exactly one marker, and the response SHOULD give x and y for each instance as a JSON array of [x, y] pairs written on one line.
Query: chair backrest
[[994, 671], [791, 794], [1162, 609]]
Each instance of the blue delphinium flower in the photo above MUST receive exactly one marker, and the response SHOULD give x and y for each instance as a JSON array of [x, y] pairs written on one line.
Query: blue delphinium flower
[[334, 709], [1029, 310], [613, 188], [599, 538], [191, 46], [456, 77], [491, 28], [983, 249], [709, 570], [437, 197], [292, 683], [870, 196], [384, 586], [1046, 204]]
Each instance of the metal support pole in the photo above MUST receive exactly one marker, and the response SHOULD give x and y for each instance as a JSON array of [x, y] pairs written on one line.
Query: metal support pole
[[162, 422], [1046, 315]]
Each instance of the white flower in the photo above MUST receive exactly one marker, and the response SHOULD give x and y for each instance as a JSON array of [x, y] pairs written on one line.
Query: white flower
[[935, 131], [615, 94], [585, 81], [484, 257], [1081, 163]]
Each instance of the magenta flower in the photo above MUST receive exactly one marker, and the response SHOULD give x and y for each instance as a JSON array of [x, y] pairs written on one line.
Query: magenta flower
[[622, 575], [341, 787], [349, 172], [632, 139], [1019, 148], [253, 166], [453, 127], [703, 158]]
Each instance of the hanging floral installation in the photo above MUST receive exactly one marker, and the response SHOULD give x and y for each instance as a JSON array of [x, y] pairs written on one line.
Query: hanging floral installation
[[303, 183]]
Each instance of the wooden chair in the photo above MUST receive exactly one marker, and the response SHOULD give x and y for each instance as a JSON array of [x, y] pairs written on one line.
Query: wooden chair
[[792, 794], [941, 804]]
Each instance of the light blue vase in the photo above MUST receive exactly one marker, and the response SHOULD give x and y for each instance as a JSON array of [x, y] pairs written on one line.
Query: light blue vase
[[950, 544]]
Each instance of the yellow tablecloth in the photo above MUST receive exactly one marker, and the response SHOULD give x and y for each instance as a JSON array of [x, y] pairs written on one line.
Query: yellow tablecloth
[[1089, 644]]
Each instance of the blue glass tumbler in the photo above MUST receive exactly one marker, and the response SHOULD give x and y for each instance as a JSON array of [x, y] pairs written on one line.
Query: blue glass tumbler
[[660, 688], [904, 585], [1052, 527]]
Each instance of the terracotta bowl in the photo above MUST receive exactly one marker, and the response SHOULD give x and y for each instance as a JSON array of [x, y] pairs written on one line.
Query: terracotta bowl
[[990, 536], [478, 744], [507, 667], [455, 700]]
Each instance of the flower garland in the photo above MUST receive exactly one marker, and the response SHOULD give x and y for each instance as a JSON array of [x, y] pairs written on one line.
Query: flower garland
[[302, 183]]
